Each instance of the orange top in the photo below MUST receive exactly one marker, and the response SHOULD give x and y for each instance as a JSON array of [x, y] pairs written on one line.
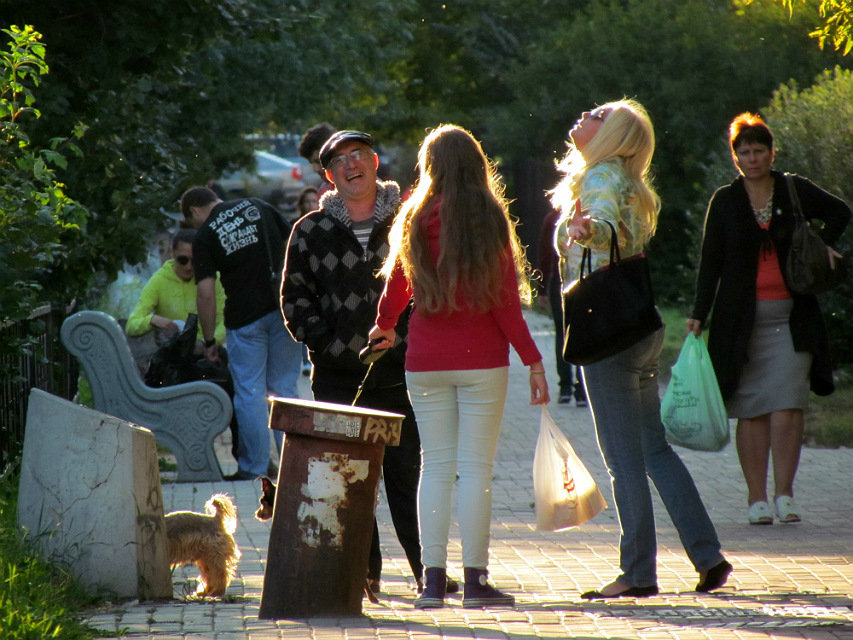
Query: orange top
[[769, 283]]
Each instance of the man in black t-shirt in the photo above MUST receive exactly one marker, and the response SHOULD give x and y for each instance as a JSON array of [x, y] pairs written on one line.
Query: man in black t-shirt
[[244, 242]]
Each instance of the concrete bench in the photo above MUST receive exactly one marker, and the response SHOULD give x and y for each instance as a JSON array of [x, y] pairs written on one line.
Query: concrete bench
[[185, 418]]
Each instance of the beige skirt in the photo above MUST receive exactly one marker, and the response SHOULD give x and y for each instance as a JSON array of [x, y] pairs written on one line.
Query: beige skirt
[[776, 377]]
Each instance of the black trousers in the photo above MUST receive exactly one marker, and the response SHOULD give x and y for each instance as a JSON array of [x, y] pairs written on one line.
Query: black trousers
[[568, 381], [401, 468]]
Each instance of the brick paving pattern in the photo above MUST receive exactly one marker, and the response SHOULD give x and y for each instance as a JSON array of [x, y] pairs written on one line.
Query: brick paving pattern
[[789, 581]]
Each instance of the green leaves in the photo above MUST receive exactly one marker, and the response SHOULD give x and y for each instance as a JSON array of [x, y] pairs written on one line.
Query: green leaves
[[35, 213], [22, 66], [837, 27]]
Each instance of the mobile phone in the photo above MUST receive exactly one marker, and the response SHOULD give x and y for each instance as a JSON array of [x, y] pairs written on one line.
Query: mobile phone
[[369, 354]]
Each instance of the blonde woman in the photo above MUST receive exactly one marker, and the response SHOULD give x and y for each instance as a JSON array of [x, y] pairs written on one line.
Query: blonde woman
[[607, 180], [454, 248]]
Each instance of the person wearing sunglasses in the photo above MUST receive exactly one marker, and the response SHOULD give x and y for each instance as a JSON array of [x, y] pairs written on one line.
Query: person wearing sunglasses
[[169, 296]]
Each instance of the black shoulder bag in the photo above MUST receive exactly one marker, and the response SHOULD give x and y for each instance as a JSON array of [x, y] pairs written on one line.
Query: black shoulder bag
[[610, 309], [275, 276], [807, 269]]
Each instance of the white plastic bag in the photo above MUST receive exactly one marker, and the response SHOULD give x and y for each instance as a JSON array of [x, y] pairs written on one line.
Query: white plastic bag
[[566, 495], [692, 410]]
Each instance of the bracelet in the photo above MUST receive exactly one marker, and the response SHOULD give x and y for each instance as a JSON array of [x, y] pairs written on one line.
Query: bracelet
[[537, 373], [209, 343]]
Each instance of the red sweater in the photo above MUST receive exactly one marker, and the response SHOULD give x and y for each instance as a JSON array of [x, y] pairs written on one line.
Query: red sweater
[[464, 339]]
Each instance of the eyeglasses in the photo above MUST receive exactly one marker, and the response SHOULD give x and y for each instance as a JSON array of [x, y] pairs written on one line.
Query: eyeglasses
[[183, 260], [341, 160]]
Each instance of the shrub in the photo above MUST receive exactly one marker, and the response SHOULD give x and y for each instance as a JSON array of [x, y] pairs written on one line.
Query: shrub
[[36, 217]]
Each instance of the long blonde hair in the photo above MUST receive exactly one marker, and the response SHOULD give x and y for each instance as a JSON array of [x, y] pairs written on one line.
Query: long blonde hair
[[475, 228], [627, 134]]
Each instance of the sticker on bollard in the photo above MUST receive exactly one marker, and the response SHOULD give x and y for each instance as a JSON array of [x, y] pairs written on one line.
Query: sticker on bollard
[[337, 421], [322, 525]]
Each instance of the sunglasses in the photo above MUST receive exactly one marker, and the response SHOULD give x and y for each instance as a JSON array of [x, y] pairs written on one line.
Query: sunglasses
[[183, 260]]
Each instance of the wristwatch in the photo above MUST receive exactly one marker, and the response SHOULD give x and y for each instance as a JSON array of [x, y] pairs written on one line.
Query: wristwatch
[[209, 343]]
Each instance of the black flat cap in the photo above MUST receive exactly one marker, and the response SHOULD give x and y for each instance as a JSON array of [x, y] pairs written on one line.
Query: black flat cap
[[328, 149]]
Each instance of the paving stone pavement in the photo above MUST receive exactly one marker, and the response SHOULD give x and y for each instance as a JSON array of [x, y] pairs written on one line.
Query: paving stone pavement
[[789, 581]]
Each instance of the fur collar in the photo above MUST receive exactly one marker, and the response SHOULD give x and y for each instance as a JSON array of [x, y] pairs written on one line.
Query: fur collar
[[387, 203]]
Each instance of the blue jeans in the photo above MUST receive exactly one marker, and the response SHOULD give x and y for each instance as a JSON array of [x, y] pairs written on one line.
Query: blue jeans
[[264, 360], [459, 420], [623, 394]]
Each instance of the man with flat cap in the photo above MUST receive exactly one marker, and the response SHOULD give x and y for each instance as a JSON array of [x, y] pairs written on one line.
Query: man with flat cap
[[329, 297]]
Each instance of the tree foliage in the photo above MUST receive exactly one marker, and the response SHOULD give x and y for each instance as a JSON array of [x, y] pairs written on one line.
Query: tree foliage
[[693, 64], [813, 129], [168, 92], [38, 221], [837, 27]]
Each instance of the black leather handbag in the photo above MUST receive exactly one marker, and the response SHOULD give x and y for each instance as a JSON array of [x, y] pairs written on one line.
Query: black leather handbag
[[807, 269], [610, 309]]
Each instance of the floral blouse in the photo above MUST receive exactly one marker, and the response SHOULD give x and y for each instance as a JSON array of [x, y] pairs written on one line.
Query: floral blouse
[[606, 195]]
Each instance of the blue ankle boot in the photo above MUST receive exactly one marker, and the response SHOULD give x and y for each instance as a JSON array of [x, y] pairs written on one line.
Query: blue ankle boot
[[479, 594], [434, 589]]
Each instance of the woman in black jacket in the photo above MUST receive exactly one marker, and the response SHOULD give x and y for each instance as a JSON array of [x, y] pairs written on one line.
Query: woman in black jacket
[[768, 345]]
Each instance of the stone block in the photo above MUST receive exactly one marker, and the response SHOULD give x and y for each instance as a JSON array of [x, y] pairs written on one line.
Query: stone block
[[90, 498]]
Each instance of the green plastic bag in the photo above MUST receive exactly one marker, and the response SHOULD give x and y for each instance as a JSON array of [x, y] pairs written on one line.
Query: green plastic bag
[[692, 410]]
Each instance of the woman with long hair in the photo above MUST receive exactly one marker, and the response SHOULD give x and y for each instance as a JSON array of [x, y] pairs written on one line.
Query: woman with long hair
[[768, 345], [607, 181], [454, 249]]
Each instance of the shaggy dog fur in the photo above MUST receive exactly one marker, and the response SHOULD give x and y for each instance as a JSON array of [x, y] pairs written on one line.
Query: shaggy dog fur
[[207, 541]]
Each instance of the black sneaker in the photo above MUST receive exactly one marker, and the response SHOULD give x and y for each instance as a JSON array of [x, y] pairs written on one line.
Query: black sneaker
[[239, 475], [580, 402], [565, 396]]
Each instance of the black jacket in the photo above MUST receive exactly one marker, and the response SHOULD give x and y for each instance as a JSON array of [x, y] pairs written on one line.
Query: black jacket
[[331, 291], [729, 264]]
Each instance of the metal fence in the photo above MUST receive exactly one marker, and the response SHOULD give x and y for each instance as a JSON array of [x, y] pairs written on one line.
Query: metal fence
[[41, 362]]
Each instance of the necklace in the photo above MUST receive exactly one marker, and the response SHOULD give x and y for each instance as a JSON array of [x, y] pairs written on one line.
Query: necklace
[[764, 214]]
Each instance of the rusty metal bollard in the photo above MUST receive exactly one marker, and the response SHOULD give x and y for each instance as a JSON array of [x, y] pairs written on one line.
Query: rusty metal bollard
[[322, 523]]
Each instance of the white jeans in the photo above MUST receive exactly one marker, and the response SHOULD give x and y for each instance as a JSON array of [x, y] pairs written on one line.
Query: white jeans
[[459, 420]]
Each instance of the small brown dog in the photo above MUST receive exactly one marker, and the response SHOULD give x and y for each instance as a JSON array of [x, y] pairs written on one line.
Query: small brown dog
[[267, 500], [207, 541]]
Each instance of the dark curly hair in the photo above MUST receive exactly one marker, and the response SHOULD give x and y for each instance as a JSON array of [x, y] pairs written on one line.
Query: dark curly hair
[[314, 139]]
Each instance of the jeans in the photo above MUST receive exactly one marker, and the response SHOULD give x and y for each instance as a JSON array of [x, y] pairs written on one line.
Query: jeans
[[459, 418], [263, 360], [623, 394]]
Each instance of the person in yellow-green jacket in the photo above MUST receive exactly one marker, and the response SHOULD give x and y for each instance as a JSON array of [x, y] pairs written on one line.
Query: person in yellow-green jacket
[[168, 298], [170, 295]]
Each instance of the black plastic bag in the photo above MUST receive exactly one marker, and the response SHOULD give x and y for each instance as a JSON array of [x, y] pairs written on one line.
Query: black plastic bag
[[171, 362]]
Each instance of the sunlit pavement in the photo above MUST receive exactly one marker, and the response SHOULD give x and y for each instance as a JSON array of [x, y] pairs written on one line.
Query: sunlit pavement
[[789, 581]]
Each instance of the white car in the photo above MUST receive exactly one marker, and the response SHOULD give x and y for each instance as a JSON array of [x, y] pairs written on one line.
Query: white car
[[286, 145], [276, 180]]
